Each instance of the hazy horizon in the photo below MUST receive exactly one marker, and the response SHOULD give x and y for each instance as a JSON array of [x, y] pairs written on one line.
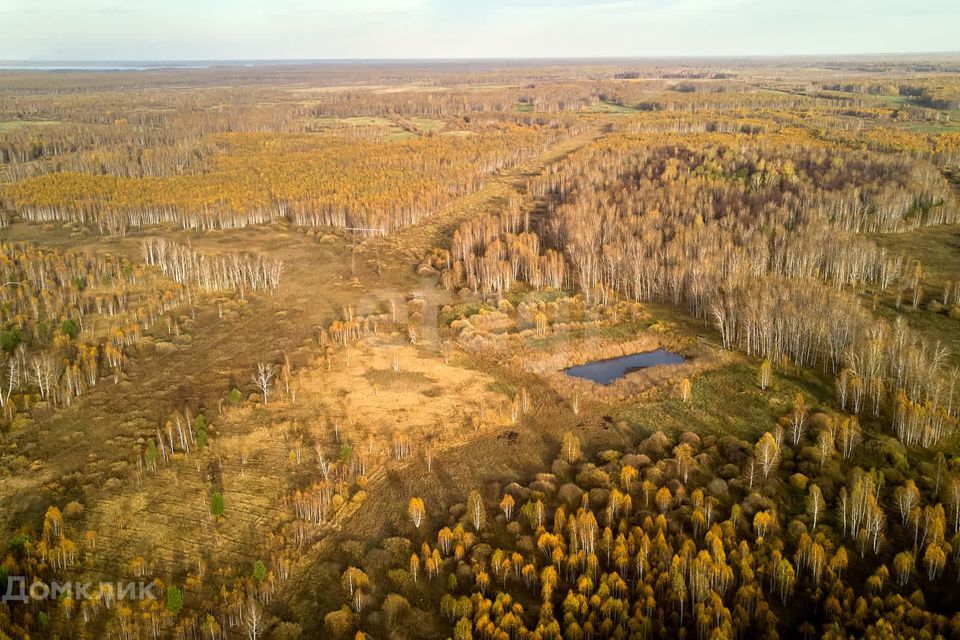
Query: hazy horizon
[[292, 30], [185, 62]]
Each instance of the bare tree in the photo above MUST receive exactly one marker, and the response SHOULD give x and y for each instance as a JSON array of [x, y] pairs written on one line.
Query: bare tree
[[9, 378], [263, 378], [798, 420], [253, 620], [44, 372], [324, 464]]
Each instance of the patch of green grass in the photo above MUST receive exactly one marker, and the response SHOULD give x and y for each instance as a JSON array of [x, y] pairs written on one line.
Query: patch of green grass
[[620, 331], [938, 250], [428, 124], [455, 312], [725, 401], [394, 132], [896, 100], [523, 293], [775, 90], [12, 125], [357, 121], [400, 134], [624, 330], [609, 107], [933, 127], [936, 327], [501, 387], [523, 107]]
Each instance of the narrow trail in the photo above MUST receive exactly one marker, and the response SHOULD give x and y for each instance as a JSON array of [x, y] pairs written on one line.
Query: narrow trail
[[405, 248]]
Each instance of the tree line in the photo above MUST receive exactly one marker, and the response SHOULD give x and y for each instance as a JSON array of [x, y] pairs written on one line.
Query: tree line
[[309, 180], [240, 272]]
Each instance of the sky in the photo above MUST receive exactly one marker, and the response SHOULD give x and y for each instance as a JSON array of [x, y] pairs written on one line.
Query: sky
[[112, 30]]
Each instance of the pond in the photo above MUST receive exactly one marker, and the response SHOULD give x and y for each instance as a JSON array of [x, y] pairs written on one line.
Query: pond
[[606, 371]]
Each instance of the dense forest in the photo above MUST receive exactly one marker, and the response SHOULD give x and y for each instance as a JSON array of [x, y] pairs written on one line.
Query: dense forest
[[694, 537], [259, 178]]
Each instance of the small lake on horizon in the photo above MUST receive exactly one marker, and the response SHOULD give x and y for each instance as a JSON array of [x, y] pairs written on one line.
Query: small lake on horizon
[[606, 371]]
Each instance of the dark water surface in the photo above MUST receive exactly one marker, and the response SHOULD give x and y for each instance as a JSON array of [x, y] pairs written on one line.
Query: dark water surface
[[606, 371]]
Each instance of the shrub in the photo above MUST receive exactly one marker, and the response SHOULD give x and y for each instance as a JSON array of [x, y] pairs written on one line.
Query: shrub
[[10, 340], [69, 327], [259, 571], [73, 510], [174, 600], [216, 504]]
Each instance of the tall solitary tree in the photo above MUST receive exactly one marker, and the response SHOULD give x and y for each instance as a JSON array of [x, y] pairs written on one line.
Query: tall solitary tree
[[475, 510], [814, 504], [825, 445], [263, 379], [764, 374], [506, 505], [253, 620], [767, 454], [416, 510], [798, 419]]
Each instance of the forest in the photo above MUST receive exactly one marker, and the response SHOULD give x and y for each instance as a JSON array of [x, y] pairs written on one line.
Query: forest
[[288, 349]]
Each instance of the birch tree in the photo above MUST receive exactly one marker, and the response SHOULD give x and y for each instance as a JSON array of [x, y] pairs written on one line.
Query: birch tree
[[263, 379], [767, 454]]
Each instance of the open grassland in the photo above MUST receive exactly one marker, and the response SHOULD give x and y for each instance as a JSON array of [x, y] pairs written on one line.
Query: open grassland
[[937, 252]]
